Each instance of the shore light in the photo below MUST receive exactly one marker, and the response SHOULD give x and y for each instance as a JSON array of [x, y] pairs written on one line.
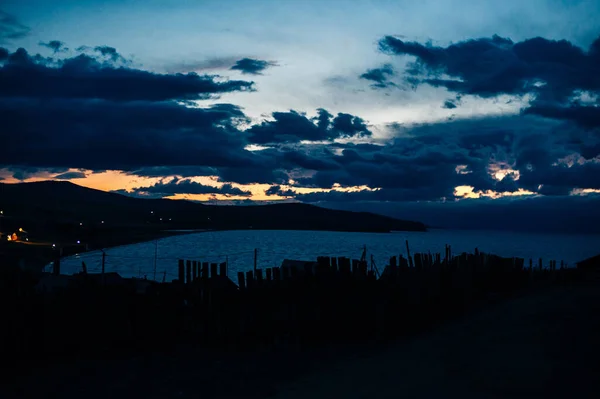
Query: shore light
[[78, 242]]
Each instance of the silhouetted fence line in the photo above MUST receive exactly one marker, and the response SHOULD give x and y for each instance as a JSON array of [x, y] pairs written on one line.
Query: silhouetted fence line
[[328, 300]]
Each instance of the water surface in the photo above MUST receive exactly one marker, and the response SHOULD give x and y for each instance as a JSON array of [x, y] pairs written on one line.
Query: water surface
[[237, 248]]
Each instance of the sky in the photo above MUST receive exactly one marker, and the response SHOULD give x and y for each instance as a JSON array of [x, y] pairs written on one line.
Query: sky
[[450, 112]]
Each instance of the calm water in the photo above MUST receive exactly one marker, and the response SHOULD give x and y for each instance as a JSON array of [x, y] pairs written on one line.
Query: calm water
[[237, 247]]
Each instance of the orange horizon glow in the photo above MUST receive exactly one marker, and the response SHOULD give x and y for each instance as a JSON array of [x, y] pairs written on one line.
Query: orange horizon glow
[[118, 180]]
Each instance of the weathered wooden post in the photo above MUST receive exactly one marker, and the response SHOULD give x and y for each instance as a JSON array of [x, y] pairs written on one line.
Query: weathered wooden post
[[308, 272], [205, 270], [540, 264], [410, 262], [276, 274], [194, 270], [259, 275], [334, 264], [249, 279], [269, 274], [56, 268], [418, 261], [355, 267], [181, 270], [241, 282], [223, 269], [285, 272], [213, 270], [188, 267]]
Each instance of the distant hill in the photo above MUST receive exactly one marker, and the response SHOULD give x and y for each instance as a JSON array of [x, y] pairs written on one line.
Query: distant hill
[[50, 202]]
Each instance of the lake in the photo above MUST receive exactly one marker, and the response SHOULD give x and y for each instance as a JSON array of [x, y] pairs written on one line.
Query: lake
[[237, 248]]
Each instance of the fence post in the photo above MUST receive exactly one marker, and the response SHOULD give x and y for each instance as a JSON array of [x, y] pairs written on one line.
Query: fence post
[[204, 270], [241, 282], [103, 263], [181, 271], [255, 258], [188, 265]]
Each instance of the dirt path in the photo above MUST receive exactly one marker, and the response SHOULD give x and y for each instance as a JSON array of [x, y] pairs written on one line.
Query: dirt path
[[545, 346]]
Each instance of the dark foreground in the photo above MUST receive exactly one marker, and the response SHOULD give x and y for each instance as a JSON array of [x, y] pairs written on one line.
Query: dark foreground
[[473, 323], [541, 345]]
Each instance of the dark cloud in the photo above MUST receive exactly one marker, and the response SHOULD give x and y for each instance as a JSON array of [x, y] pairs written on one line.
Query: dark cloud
[[384, 195], [561, 179], [11, 28], [84, 76], [95, 134], [573, 214], [449, 104], [553, 69], [432, 159], [380, 76], [586, 116], [24, 172], [294, 127], [273, 190], [183, 171], [55, 45], [251, 66], [110, 53], [177, 186], [70, 175]]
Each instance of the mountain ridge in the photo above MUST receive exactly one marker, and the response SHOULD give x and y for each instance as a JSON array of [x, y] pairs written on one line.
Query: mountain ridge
[[52, 201]]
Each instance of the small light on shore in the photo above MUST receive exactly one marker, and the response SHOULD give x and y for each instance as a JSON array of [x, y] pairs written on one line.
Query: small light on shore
[[151, 211], [102, 222], [78, 242], [53, 245], [80, 223]]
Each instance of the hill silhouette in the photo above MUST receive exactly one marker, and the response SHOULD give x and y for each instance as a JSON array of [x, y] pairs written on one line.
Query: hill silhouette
[[50, 202]]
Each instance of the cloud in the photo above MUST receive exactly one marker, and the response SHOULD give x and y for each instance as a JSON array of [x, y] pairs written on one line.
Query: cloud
[[427, 162], [96, 134], [251, 66], [55, 45], [586, 116], [183, 171], [380, 76], [293, 126], [109, 52], [561, 179], [449, 104], [11, 28], [84, 76], [487, 67], [70, 175], [25, 172], [177, 186], [569, 214], [210, 64]]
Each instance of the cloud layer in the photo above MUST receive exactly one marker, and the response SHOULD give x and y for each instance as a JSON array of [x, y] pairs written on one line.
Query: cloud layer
[[93, 110]]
